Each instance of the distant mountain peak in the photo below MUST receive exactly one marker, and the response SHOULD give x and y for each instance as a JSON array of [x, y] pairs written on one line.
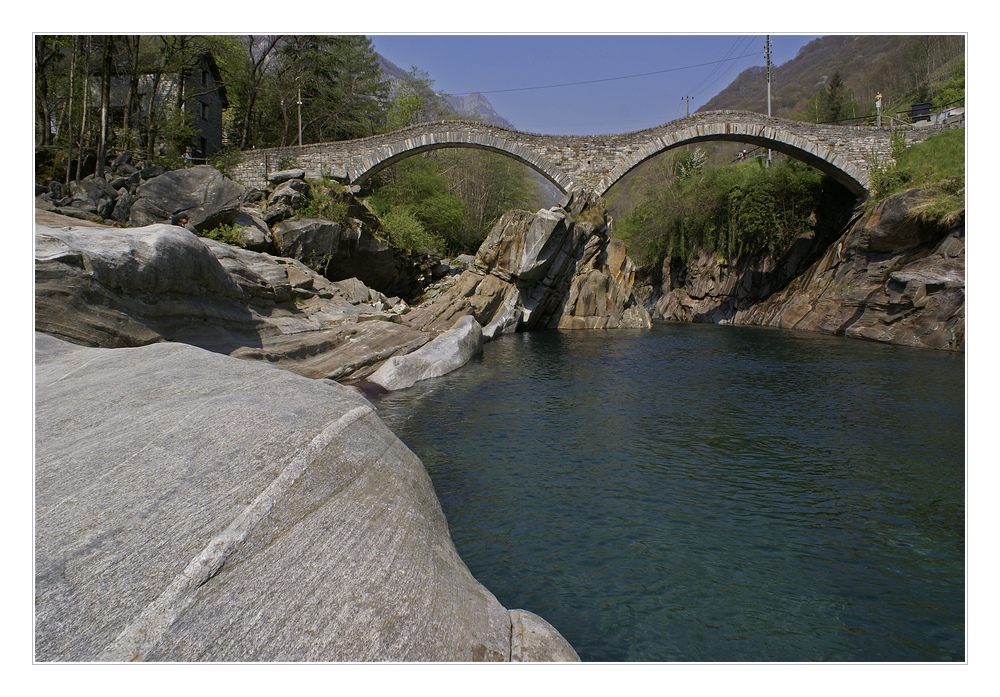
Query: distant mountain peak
[[472, 105], [476, 105]]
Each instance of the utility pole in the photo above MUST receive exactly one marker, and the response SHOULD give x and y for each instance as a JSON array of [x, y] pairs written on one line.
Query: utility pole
[[687, 105], [300, 113], [767, 60]]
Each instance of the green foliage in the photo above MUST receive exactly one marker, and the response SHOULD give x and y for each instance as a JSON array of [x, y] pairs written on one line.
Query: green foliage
[[226, 160], [897, 143], [407, 232], [690, 164], [334, 82], [415, 101], [488, 185], [736, 210], [834, 99], [415, 190], [952, 91], [340, 82], [326, 202], [456, 194], [835, 103], [403, 111], [230, 234]]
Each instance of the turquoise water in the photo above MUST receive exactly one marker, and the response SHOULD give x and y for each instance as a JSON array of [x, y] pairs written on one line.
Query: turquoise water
[[707, 493]]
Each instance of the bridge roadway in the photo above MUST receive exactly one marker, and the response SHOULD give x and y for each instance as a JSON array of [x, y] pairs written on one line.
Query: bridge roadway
[[593, 163]]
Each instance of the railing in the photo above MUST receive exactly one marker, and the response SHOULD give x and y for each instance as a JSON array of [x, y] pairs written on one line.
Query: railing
[[952, 113]]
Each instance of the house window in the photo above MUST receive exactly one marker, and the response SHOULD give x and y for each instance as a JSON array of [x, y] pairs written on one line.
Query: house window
[[204, 77], [204, 111]]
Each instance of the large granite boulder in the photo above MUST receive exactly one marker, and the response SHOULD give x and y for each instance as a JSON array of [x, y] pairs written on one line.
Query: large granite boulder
[[202, 193], [339, 251], [257, 236], [111, 287], [310, 240], [193, 507]]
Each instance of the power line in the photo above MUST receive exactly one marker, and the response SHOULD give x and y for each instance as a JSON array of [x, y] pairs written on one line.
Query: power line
[[609, 79], [734, 47], [702, 87]]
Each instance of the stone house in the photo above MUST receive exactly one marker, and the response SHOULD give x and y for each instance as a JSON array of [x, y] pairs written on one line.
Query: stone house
[[199, 90]]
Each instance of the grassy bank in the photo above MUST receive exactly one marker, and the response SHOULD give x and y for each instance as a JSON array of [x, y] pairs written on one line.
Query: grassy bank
[[935, 167]]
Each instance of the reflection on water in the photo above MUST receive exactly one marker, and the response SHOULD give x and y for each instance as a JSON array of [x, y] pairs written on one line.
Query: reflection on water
[[705, 493]]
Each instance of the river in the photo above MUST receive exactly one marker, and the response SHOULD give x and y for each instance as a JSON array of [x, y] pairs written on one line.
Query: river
[[702, 493]]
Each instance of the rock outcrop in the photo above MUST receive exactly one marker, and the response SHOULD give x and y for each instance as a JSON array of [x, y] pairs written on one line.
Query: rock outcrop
[[192, 507], [556, 268], [108, 287], [890, 277], [200, 194]]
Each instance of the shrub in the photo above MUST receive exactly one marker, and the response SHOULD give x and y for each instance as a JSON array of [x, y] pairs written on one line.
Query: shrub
[[230, 234], [407, 232], [326, 202], [226, 160]]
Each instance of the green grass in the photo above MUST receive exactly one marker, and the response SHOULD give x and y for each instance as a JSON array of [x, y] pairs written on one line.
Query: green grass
[[327, 201], [935, 167]]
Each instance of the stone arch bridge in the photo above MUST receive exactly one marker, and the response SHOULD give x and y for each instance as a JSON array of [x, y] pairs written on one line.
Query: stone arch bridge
[[593, 163]]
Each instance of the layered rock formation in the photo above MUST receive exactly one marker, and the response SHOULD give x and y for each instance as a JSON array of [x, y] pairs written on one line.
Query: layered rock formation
[[556, 268], [192, 507], [107, 287], [890, 277]]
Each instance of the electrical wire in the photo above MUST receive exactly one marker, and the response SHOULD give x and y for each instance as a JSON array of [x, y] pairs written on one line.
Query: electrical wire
[[701, 86], [608, 79]]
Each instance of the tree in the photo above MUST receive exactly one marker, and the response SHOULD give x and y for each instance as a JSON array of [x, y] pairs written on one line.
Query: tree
[[107, 60], [248, 70], [342, 90], [835, 99], [50, 60]]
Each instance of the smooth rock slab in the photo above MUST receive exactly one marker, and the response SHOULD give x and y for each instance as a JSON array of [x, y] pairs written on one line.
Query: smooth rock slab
[[446, 353], [194, 507]]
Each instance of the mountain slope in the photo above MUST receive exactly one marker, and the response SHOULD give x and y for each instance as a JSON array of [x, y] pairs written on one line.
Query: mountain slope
[[904, 68]]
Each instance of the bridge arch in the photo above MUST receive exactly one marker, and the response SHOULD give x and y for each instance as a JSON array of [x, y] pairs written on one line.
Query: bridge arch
[[843, 161], [425, 139]]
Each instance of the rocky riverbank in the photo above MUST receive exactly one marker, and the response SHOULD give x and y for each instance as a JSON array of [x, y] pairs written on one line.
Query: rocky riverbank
[[890, 277], [193, 507]]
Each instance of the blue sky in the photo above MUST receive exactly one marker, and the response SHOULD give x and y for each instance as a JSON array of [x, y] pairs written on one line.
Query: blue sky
[[586, 84]]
